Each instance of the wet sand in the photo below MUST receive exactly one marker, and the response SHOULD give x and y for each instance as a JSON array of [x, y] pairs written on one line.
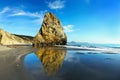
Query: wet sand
[[11, 63], [3, 48]]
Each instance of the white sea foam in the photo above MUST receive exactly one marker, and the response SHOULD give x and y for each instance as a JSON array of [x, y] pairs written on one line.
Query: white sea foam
[[107, 50]]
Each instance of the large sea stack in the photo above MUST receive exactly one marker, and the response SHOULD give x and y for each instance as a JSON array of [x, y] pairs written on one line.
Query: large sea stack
[[51, 32]]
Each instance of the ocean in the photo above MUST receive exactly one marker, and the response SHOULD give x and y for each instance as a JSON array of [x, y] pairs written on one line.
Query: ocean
[[77, 61]]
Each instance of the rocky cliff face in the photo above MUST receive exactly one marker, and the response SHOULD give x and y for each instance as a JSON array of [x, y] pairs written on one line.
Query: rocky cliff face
[[51, 31], [10, 39]]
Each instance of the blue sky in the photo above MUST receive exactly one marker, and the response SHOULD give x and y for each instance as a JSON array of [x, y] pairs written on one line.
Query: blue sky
[[95, 21]]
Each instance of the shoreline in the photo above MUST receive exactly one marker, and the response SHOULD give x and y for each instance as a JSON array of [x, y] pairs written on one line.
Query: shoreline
[[12, 60], [12, 63], [107, 50]]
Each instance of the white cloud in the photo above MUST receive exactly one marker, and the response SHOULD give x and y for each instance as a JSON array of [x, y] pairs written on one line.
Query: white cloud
[[17, 13], [68, 28], [57, 4], [38, 15], [24, 13], [14, 12], [4, 10]]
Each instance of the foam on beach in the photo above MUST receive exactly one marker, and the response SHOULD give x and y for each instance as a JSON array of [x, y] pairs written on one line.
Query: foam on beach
[[107, 50]]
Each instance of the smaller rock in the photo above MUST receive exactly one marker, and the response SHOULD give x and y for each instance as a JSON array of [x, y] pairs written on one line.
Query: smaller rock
[[13, 39]]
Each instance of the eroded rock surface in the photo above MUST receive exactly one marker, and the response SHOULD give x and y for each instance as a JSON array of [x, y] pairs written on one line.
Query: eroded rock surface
[[11, 39], [51, 31]]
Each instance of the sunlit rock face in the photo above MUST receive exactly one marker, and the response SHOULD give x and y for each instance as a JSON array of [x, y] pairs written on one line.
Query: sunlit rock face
[[51, 31], [51, 58], [10, 39]]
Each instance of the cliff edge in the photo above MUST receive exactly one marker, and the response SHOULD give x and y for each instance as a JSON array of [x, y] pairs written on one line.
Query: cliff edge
[[13, 39]]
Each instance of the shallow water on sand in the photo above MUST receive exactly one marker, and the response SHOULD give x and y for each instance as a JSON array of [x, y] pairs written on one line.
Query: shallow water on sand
[[62, 64]]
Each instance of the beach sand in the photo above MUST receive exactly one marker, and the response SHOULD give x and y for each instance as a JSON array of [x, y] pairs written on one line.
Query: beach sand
[[12, 63]]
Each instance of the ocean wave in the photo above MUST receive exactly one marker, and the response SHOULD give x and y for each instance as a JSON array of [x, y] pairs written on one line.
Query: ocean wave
[[106, 50]]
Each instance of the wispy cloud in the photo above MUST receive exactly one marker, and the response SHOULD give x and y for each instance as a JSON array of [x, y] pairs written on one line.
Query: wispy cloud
[[68, 28], [24, 13], [57, 4], [4, 10], [14, 12]]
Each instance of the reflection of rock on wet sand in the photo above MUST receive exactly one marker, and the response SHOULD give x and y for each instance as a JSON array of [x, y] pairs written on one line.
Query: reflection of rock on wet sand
[[51, 58]]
